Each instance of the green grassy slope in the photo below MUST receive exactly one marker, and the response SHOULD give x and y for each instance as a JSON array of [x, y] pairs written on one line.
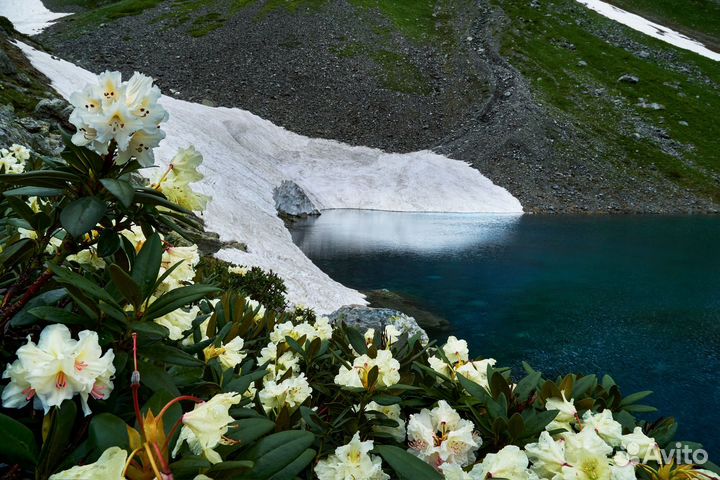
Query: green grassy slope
[[576, 72]]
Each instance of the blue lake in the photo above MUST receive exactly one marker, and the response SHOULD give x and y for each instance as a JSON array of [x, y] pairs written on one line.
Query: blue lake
[[637, 297]]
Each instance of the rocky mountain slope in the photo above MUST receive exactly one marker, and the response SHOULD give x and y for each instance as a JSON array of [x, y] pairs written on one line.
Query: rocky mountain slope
[[541, 96]]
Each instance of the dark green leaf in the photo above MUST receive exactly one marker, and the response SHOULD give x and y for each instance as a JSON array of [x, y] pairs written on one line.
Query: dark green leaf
[[18, 444], [121, 189], [147, 264], [34, 192], [406, 465], [125, 285], [82, 215]]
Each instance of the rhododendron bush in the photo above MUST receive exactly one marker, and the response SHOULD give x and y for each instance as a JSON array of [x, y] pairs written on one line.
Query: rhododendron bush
[[122, 358]]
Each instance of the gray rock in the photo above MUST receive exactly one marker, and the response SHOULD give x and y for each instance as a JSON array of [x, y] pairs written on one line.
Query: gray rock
[[53, 108], [683, 123], [362, 318], [7, 67], [627, 78], [292, 200], [650, 105], [582, 63]]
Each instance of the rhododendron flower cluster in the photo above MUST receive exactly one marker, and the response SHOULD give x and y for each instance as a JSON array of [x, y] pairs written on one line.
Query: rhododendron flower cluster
[[458, 362], [57, 368], [12, 160], [290, 392], [351, 461], [441, 436], [358, 374], [124, 112]]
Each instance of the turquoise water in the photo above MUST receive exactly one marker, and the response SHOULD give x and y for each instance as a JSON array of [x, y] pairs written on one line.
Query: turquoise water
[[637, 297]]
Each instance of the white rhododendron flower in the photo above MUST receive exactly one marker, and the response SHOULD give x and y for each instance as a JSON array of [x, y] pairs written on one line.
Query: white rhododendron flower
[[547, 455], [12, 160], [510, 462], [278, 365], [586, 457], [20, 152], [456, 350], [58, 368], [391, 412], [178, 321], [567, 413], [175, 182], [639, 445], [321, 329], [452, 471], [204, 427], [229, 354], [605, 426], [351, 461], [124, 112], [390, 334], [440, 436], [291, 392], [88, 257], [110, 466], [235, 270], [183, 167], [357, 375], [476, 371], [184, 273]]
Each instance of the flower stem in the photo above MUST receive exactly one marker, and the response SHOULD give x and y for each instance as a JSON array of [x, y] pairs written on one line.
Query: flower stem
[[176, 400]]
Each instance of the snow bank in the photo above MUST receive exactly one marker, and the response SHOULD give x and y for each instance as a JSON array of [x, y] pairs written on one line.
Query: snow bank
[[647, 27], [28, 16], [246, 157]]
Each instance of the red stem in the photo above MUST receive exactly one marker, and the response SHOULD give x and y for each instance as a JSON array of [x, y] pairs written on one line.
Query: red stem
[[168, 439], [10, 310], [176, 400], [165, 467]]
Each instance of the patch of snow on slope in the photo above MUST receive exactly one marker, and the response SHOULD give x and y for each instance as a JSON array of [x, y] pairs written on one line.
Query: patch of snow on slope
[[636, 22], [28, 16], [246, 157]]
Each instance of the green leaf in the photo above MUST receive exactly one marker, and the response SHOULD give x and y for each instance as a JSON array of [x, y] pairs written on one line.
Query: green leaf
[[18, 444], [171, 355], [16, 252], [60, 430], [150, 329], [275, 452], [106, 430], [357, 340], [473, 388], [24, 317], [406, 465], [291, 470], [58, 315], [82, 215], [34, 192], [147, 264], [108, 243], [248, 430], [635, 397], [121, 189], [126, 285], [68, 277], [229, 470], [177, 298]]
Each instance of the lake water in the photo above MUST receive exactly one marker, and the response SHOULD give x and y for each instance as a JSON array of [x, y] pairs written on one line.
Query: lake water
[[637, 297]]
